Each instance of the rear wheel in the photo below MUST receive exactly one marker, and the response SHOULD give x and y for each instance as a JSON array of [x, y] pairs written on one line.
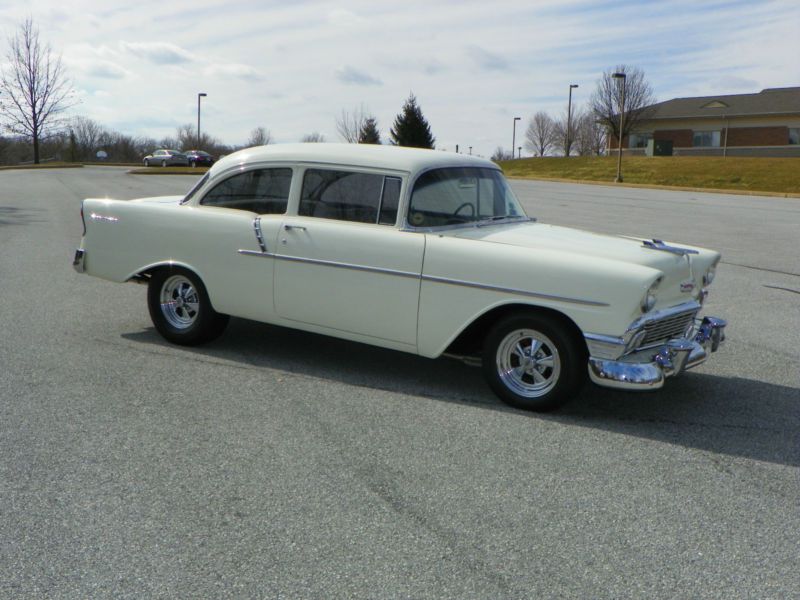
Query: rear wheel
[[180, 308], [146, 163], [534, 362], [163, 163]]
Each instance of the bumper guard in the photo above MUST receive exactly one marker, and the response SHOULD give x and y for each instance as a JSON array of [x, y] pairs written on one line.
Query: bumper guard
[[647, 369]]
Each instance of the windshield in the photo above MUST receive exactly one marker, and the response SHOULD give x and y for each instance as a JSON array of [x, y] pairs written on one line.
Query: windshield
[[194, 189], [459, 195]]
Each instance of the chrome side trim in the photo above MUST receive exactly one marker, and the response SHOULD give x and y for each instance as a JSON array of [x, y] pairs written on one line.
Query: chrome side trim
[[259, 234], [349, 266], [431, 278], [256, 253], [517, 292]]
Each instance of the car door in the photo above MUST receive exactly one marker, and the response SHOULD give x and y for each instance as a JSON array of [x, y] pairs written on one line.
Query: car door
[[236, 225], [342, 264]]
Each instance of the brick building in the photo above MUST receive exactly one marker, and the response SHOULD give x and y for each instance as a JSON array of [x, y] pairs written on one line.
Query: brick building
[[763, 124]]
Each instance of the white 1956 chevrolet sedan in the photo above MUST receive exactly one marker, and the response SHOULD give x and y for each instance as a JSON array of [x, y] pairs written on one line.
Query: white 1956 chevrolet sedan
[[415, 250]]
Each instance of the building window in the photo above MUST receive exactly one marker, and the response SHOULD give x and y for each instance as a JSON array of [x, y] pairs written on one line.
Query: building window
[[707, 139], [639, 140], [794, 135]]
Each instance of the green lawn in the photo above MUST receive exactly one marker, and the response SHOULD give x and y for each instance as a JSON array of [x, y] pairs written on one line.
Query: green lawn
[[776, 175]]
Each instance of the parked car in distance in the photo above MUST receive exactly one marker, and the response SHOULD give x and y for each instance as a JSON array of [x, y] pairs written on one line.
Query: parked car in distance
[[414, 250], [199, 158], [166, 158]]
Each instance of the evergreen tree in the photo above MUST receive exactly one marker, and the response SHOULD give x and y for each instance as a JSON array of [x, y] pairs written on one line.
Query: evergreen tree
[[410, 127], [369, 133]]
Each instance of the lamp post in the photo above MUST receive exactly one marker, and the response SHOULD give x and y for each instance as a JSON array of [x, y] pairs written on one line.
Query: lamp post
[[514, 137], [567, 141], [621, 76], [200, 95], [519, 152]]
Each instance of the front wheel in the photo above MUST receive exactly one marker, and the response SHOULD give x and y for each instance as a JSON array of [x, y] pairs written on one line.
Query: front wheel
[[163, 163], [180, 308], [534, 362]]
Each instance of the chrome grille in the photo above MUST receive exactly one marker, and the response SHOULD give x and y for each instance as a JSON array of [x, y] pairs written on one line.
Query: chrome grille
[[668, 327]]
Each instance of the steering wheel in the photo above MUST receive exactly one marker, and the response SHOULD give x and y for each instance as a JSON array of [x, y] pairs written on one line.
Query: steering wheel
[[469, 205]]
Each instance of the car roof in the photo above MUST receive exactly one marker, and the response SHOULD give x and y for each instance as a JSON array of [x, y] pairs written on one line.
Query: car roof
[[355, 155]]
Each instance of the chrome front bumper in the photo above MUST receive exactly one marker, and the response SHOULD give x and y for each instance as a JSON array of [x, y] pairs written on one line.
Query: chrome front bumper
[[646, 369]]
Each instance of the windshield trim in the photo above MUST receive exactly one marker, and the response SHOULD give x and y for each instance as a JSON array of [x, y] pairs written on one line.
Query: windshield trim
[[405, 224]]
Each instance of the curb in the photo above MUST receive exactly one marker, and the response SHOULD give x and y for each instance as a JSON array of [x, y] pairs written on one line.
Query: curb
[[675, 188]]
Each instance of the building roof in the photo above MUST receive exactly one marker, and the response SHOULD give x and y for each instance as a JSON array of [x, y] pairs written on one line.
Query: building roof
[[771, 101], [354, 155]]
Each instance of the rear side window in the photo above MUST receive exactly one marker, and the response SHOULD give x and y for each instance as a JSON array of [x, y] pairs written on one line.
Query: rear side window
[[350, 196], [262, 191]]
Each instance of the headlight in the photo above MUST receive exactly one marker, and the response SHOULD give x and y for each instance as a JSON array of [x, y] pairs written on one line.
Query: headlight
[[649, 300]]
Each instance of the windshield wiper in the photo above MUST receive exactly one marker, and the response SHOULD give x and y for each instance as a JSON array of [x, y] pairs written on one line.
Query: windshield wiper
[[489, 220]]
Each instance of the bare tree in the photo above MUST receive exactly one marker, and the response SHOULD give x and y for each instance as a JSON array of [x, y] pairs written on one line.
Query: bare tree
[[607, 98], [34, 87], [539, 134], [350, 123], [500, 154], [85, 137], [260, 136], [315, 137], [590, 135]]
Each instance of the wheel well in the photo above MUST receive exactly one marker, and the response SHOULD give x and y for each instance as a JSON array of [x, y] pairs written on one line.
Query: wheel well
[[470, 341]]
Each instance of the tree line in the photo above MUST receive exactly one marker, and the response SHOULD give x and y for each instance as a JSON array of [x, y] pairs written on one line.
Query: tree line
[[35, 93], [587, 130]]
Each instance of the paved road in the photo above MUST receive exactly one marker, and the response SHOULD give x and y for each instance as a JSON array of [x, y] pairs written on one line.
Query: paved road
[[275, 463]]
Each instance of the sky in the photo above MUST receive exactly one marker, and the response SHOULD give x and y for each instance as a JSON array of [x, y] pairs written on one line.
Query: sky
[[294, 66]]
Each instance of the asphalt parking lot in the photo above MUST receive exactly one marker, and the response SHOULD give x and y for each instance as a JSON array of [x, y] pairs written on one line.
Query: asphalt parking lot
[[279, 464]]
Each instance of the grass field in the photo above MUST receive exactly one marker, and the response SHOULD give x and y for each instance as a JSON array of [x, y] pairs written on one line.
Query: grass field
[[168, 171], [775, 175]]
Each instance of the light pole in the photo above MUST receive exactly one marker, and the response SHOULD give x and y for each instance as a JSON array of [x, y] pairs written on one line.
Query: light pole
[[514, 137], [470, 150], [519, 153], [621, 76], [567, 142], [200, 95]]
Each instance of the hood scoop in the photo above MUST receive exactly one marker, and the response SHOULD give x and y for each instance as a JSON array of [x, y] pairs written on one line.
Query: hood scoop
[[655, 244]]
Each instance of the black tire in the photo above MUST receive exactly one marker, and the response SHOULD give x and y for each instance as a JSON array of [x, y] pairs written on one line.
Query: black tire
[[180, 308], [146, 163], [163, 163], [543, 381]]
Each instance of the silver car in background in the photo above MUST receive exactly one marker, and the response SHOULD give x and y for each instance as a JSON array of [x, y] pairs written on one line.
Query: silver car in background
[[166, 158]]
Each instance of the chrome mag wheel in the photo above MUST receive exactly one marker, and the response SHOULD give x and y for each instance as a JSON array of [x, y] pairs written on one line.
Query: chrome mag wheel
[[180, 302], [528, 363]]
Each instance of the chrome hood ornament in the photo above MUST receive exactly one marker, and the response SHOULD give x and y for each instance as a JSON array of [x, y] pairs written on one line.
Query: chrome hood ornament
[[660, 245]]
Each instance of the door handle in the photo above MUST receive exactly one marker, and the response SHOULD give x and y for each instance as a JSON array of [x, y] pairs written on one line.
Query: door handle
[[290, 227]]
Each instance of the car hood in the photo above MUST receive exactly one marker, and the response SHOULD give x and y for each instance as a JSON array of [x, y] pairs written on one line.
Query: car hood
[[681, 274]]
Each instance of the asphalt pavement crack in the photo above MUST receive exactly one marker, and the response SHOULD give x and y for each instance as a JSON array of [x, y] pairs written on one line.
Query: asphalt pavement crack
[[777, 287]]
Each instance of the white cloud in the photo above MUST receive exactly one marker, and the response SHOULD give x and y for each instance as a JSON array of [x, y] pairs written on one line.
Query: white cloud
[[235, 70], [353, 76], [105, 70], [293, 66], [162, 53]]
